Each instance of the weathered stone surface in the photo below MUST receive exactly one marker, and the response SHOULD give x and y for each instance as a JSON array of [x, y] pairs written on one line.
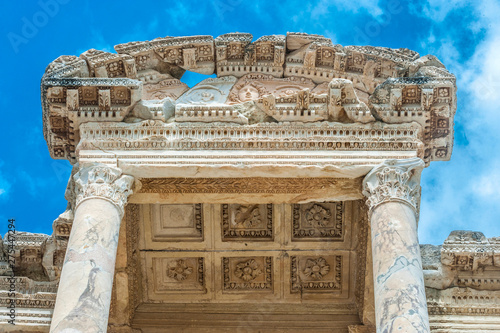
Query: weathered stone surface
[[297, 78]]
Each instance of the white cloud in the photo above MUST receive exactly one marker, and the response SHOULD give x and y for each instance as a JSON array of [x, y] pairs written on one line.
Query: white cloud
[[464, 193], [437, 10], [5, 185], [488, 186], [322, 8]]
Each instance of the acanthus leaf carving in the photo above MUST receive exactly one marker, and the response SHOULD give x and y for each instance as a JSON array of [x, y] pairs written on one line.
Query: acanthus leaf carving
[[394, 180], [100, 181]]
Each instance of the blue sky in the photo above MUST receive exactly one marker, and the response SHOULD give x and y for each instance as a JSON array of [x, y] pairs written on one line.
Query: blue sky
[[465, 35]]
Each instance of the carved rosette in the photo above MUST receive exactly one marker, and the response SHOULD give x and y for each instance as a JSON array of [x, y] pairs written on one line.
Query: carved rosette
[[394, 180], [103, 182]]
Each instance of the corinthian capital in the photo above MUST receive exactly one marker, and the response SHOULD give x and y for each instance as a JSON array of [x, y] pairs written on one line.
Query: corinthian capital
[[394, 180], [101, 181]]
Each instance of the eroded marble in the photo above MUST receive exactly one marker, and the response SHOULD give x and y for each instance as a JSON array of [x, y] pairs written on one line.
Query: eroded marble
[[84, 293], [400, 303]]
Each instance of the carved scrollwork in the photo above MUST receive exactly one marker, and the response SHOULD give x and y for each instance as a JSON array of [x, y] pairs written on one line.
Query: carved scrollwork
[[99, 181], [394, 180]]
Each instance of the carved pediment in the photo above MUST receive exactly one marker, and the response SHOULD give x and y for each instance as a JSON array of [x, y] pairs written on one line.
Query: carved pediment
[[294, 78]]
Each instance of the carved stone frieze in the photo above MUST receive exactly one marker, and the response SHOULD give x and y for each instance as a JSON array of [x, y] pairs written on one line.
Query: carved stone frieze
[[236, 55], [463, 301], [171, 88], [247, 222], [179, 270], [255, 86], [318, 221], [394, 181], [155, 135], [97, 181], [467, 259], [234, 185], [193, 53], [105, 64]]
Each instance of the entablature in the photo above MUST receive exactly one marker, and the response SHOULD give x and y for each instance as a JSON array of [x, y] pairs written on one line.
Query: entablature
[[283, 82]]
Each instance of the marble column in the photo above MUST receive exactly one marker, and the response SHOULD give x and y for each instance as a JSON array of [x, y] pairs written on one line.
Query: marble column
[[84, 294], [393, 192]]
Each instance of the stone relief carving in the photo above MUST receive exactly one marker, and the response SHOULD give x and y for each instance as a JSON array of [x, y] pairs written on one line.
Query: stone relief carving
[[247, 274], [316, 269], [133, 261], [179, 270], [171, 88], [38, 263], [205, 102], [462, 276], [248, 270], [255, 86], [316, 274], [234, 185], [386, 93], [320, 137], [466, 259], [248, 216], [209, 91], [318, 216], [318, 222], [247, 222], [177, 275]]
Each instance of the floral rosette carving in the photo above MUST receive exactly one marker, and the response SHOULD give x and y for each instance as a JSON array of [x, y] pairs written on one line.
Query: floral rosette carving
[[180, 271], [316, 269], [248, 270], [317, 216]]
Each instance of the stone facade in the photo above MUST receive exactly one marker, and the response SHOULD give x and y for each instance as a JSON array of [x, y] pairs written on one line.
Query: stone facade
[[280, 195]]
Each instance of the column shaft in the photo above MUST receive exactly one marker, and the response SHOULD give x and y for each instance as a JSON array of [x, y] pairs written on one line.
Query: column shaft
[[84, 294], [393, 193], [400, 303]]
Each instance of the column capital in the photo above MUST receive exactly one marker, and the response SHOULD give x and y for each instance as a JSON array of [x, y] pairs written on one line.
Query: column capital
[[104, 182], [394, 180]]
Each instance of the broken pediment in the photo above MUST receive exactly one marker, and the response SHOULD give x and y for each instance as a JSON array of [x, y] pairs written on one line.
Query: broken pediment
[[294, 78]]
